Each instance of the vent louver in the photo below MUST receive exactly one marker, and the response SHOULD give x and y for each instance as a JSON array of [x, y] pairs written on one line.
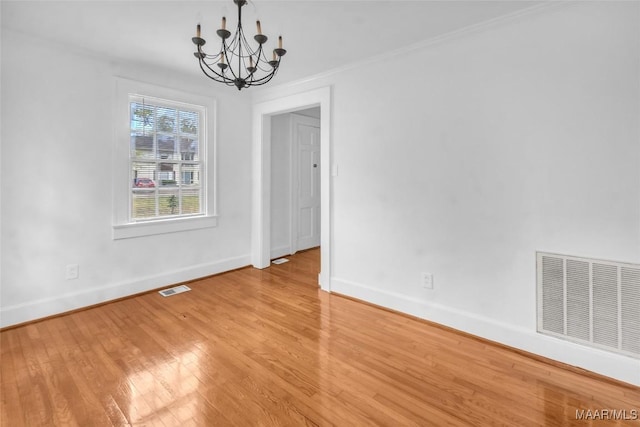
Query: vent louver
[[589, 301]]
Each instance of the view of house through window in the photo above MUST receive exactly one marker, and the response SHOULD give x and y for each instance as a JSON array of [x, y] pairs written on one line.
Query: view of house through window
[[166, 159]]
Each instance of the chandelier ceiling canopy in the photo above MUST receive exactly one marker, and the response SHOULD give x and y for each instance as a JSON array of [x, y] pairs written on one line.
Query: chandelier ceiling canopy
[[237, 63]]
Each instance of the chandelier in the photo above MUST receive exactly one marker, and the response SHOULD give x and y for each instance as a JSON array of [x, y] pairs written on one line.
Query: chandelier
[[237, 63]]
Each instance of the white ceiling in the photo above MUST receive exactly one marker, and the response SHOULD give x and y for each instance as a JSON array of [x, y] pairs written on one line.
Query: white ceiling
[[319, 35]]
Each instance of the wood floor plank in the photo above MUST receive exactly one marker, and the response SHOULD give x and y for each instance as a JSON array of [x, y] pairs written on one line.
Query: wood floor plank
[[11, 406], [267, 347]]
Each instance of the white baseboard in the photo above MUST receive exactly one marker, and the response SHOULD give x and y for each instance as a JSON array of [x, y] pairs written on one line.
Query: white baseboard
[[623, 368], [33, 310]]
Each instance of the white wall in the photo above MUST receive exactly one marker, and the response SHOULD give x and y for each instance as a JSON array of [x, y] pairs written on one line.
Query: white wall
[[465, 157], [57, 146]]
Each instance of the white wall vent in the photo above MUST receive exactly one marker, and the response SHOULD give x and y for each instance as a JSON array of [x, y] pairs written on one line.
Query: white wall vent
[[590, 301]]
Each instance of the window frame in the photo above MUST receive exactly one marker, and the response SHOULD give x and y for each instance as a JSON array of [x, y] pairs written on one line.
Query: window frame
[[123, 225]]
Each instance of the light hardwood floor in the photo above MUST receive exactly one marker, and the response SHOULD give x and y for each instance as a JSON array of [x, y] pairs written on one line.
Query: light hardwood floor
[[266, 347]]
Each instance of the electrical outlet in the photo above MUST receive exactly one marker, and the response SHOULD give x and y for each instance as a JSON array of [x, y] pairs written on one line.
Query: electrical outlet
[[427, 280], [72, 271]]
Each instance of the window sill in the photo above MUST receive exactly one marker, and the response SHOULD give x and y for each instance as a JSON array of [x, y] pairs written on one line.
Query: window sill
[[139, 229]]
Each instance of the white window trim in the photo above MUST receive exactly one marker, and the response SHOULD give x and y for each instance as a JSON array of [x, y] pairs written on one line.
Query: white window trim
[[123, 228]]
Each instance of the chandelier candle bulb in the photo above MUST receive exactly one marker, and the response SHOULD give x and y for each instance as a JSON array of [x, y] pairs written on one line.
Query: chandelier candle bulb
[[279, 42], [198, 31], [259, 27], [224, 23]]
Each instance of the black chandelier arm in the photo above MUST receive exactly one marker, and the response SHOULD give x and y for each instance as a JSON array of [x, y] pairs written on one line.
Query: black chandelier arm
[[214, 75], [252, 81], [229, 60], [260, 59], [242, 44], [238, 43], [206, 69], [265, 79], [217, 77], [204, 64], [201, 54], [233, 82]]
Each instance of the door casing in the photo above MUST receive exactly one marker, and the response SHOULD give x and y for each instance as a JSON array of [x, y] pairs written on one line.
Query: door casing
[[261, 179]]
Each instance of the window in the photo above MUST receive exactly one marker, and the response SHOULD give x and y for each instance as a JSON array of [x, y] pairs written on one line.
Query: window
[[162, 181], [164, 160]]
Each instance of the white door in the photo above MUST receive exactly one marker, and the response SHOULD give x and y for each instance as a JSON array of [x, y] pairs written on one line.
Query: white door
[[306, 177]]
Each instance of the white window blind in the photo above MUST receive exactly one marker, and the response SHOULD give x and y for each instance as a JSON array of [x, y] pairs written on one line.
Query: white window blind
[[166, 160]]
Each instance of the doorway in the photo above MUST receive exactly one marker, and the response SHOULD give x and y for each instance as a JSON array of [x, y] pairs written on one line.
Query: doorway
[[295, 182], [262, 175]]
